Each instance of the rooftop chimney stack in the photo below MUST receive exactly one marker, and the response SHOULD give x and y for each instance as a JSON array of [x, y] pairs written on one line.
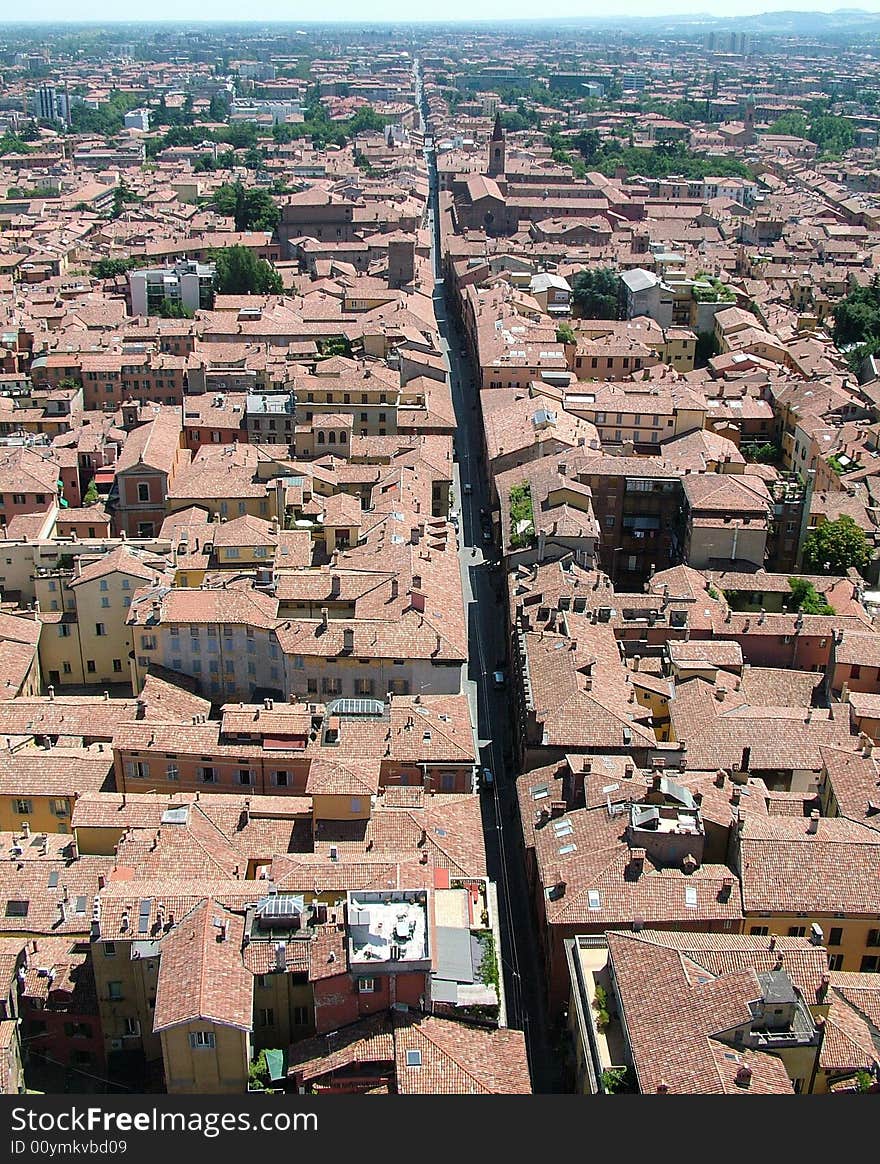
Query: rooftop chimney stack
[[813, 826]]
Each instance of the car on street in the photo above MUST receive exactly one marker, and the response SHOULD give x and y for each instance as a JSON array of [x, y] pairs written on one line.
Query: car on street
[[467, 487], [498, 678], [487, 778]]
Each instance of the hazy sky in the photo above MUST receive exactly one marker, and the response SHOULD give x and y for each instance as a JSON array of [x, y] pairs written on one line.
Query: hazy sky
[[404, 10]]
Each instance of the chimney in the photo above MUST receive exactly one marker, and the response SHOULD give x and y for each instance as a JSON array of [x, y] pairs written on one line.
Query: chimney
[[662, 1088], [280, 957], [636, 662], [394, 587], [637, 861], [628, 770], [719, 778], [689, 863], [25, 829], [746, 759], [773, 941], [325, 616], [726, 888], [813, 826], [743, 1076], [51, 693], [762, 616], [557, 808]]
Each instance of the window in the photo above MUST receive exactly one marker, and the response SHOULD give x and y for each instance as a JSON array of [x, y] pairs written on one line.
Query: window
[[873, 938], [208, 775], [366, 985], [266, 1016], [23, 807], [835, 935], [109, 949], [870, 964], [60, 807], [117, 665], [103, 585], [280, 779], [797, 931], [132, 1026], [299, 1016], [172, 772], [143, 491], [759, 931], [105, 602], [355, 804], [101, 631], [138, 769], [90, 666], [835, 961], [114, 991], [201, 1040]]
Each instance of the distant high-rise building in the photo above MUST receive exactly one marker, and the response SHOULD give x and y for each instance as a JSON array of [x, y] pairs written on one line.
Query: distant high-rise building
[[47, 103]]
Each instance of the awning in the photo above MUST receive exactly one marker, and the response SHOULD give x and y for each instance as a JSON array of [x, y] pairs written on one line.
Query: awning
[[275, 1063]]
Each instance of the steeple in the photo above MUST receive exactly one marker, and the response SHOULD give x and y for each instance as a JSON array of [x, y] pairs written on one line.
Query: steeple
[[497, 150]]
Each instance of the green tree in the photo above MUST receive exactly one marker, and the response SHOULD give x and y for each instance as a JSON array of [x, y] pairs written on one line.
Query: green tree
[[173, 309], [565, 334], [833, 135], [249, 207], [219, 110], [596, 293], [240, 272], [91, 495], [805, 597], [835, 547], [10, 143], [857, 318], [792, 123], [334, 345], [122, 195]]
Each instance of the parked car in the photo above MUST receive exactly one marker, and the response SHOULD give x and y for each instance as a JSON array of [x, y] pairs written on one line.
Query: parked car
[[467, 488], [499, 678], [488, 778]]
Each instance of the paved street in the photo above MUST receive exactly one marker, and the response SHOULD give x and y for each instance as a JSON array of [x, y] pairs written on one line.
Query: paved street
[[491, 707]]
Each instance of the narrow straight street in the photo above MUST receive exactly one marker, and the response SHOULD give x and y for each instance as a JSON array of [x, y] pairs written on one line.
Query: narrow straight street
[[484, 589]]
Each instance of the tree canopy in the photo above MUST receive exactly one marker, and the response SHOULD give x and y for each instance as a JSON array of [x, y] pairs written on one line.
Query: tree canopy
[[857, 322], [250, 207], [596, 293], [833, 135], [240, 272], [836, 546]]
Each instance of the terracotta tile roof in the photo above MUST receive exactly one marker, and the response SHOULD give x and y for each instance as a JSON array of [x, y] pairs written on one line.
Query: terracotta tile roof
[[452, 1058], [850, 1042], [787, 869], [55, 772], [593, 861], [75, 716], [201, 972], [855, 783], [676, 1016]]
